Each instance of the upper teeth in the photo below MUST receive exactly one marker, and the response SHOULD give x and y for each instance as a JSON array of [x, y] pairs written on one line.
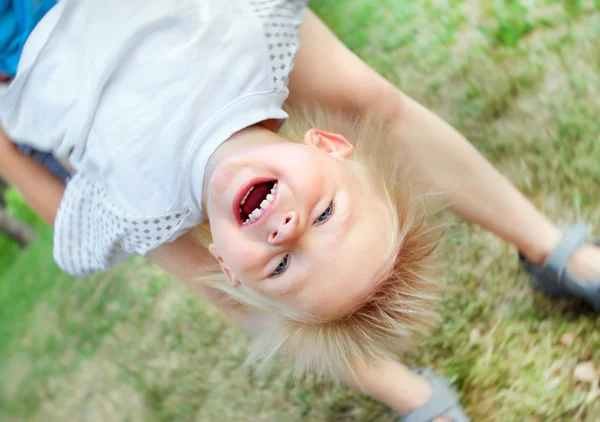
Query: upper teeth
[[254, 215], [246, 196]]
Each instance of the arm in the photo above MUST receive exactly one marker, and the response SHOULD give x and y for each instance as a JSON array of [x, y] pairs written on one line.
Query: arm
[[184, 258], [39, 187], [329, 74]]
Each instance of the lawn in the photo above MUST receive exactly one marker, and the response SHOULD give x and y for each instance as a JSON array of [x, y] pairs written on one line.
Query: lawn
[[521, 79]]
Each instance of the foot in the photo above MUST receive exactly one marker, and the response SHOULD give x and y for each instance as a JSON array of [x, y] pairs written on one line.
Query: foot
[[571, 268], [585, 264], [443, 404], [426, 393]]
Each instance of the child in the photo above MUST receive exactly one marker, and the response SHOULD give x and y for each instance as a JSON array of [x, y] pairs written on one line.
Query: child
[[107, 111]]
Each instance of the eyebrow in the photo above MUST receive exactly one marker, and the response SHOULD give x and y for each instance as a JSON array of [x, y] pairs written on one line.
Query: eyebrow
[[294, 286], [347, 220], [343, 225]]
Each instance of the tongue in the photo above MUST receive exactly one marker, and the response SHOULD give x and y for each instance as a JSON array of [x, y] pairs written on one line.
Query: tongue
[[258, 194]]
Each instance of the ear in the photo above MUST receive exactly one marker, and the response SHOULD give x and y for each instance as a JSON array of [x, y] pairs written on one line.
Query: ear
[[331, 143], [233, 280]]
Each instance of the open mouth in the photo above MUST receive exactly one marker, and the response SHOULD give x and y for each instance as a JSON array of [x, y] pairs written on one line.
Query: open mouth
[[256, 200]]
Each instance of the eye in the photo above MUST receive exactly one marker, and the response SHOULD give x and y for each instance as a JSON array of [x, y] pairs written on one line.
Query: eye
[[326, 214], [283, 265]]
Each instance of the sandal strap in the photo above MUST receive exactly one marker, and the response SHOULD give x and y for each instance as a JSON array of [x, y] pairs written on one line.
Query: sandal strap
[[572, 240], [443, 401], [553, 276]]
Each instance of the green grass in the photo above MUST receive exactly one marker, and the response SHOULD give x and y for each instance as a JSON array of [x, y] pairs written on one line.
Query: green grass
[[521, 80], [9, 251], [16, 206]]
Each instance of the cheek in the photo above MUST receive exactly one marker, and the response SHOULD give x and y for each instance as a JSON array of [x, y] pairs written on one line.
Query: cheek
[[237, 252], [221, 178], [311, 170], [223, 234]]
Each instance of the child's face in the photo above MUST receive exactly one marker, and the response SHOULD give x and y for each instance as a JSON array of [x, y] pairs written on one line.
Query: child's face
[[320, 234]]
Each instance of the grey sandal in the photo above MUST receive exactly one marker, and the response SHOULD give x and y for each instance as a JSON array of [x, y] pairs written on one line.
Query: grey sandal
[[443, 402], [552, 276]]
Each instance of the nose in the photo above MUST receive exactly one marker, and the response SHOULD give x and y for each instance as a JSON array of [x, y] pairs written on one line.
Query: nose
[[287, 230]]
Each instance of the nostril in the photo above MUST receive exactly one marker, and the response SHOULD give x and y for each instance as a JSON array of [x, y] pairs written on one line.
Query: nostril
[[287, 220], [273, 236]]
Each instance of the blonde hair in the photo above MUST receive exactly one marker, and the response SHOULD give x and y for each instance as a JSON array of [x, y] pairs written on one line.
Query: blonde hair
[[401, 304]]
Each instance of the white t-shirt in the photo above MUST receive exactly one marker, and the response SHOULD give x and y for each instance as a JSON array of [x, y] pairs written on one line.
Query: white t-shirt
[[137, 95]]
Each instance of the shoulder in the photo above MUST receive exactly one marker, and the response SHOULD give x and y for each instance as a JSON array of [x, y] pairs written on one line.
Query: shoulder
[[280, 21]]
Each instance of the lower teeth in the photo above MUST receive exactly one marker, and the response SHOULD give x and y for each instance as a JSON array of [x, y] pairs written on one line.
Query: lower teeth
[[269, 197]]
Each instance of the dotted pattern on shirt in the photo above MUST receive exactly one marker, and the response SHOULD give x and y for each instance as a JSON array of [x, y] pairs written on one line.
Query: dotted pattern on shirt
[[281, 21], [93, 234]]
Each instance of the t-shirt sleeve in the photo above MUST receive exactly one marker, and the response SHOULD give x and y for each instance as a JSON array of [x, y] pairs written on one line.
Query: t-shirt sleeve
[[281, 20], [92, 233]]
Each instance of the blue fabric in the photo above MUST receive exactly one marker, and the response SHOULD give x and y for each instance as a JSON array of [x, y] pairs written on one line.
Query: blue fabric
[[17, 20]]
